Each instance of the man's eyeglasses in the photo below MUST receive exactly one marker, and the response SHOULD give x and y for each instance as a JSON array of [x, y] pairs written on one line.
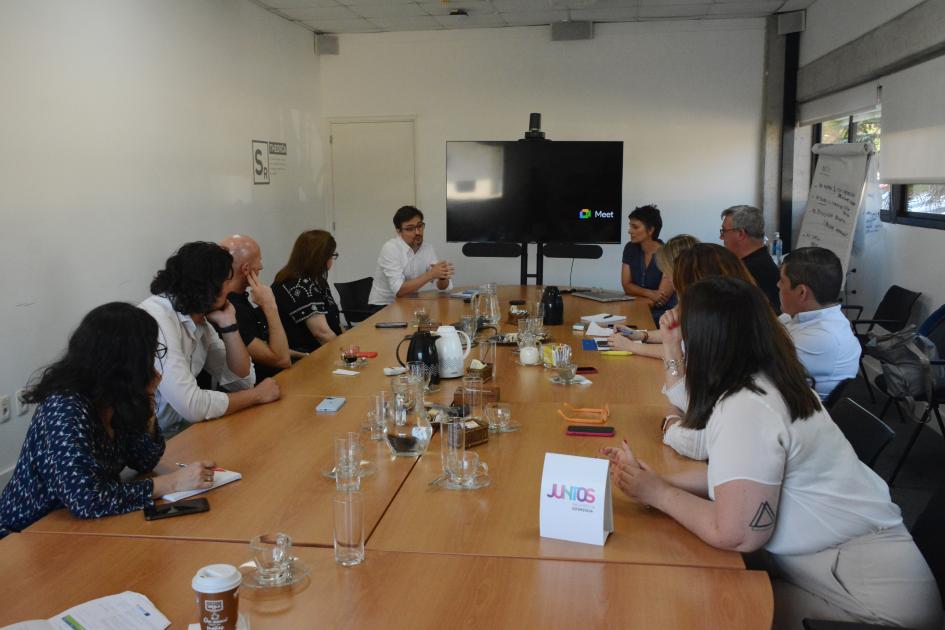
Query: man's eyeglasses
[[722, 231], [413, 228], [160, 353], [335, 256]]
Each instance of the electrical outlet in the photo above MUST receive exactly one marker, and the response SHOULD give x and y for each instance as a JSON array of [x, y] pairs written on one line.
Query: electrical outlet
[[4, 409], [21, 405]]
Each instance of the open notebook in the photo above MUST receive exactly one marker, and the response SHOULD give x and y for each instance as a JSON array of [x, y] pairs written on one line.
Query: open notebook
[[220, 478]]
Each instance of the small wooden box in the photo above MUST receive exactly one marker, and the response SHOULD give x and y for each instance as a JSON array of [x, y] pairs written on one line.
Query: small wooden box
[[490, 393], [476, 435]]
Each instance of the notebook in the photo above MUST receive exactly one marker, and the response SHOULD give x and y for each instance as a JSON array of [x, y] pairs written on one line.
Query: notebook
[[599, 295], [220, 478]]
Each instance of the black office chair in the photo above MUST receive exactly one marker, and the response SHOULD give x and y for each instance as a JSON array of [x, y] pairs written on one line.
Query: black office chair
[[933, 328], [866, 433], [892, 314], [354, 300], [834, 396]]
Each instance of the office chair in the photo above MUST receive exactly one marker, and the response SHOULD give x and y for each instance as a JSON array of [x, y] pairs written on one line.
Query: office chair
[[866, 433], [837, 393], [354, 300], [934, 328], [892, 314]]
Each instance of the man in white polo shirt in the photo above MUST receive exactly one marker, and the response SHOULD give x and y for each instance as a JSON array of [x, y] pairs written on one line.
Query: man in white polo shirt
[[406, 264], [809, 287]]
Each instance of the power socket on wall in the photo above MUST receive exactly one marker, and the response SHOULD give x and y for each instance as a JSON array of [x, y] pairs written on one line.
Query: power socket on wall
[[21, 405], [4, 409]]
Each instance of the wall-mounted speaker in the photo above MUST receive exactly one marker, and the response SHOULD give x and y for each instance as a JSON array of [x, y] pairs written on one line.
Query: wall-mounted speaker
[[326, 44], [571, 30]]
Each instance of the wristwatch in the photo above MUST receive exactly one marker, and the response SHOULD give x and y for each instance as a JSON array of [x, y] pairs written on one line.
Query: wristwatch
[[228, 329], [672, 367]]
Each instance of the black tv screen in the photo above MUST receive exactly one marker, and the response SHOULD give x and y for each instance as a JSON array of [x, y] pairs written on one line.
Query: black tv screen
[[534, 190]]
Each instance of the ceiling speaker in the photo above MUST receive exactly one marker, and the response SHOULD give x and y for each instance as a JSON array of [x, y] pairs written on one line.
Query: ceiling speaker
[[570, 30], [326, 44]]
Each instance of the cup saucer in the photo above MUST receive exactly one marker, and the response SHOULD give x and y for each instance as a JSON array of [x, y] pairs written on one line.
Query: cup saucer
[[366, 470], [298, 570], [357, 365], [481, 481]]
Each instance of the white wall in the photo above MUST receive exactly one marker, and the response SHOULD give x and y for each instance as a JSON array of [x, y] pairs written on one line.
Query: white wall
[[911, 257], [127, 127], [833, 23], [685, 97]]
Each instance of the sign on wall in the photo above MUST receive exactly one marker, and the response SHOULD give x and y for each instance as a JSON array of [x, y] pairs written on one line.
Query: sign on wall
[[268, 157]]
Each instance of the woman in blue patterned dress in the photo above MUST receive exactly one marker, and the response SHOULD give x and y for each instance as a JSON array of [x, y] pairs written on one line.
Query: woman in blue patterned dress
[[95, 417]]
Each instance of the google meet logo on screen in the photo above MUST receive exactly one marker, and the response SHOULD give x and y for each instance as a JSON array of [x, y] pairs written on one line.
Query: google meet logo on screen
[[587, 213]]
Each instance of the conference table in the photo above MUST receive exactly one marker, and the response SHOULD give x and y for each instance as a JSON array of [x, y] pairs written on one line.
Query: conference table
[[651, 571]]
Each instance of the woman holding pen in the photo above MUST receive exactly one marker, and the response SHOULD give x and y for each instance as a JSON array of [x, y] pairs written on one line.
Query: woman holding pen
[[95, 417]]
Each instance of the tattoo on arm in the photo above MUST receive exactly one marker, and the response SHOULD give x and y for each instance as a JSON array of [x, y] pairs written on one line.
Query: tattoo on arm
[[764, 518]]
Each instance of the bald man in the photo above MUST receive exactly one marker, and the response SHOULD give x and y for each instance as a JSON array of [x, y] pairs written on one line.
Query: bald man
[[261, 329]]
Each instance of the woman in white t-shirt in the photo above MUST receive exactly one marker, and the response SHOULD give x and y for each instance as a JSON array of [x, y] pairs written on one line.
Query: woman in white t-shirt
[[781, 476]]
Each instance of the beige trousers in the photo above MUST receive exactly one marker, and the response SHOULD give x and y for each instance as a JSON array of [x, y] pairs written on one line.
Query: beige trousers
[[879, 578]]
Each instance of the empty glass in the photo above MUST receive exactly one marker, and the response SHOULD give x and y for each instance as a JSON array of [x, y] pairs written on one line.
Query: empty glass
[[472, 395], [348, 462], [499, 416], [348, 508], [380, 414], [566, 372], [421, 370], [487, 355], [272, 554], [410, 387]]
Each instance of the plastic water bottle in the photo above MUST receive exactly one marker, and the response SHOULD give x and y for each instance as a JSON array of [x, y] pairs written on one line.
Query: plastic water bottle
[[777, 247]]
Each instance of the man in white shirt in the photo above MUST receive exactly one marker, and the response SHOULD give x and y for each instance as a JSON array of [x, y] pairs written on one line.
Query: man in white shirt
[[809, 287], [406, 264], [188, 295]]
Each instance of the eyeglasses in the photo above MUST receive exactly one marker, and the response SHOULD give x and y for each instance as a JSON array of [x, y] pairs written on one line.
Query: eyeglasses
[[413, 228], [722, 231], [335, 256], [160, 353]]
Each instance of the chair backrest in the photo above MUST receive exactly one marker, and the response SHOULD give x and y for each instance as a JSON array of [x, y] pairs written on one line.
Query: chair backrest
[[927, 533], [934, 328], [866, 433], [896, 306], [354, 298], [834, 397]]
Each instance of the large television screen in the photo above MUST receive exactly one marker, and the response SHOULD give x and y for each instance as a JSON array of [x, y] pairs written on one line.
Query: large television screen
[[534, 190]]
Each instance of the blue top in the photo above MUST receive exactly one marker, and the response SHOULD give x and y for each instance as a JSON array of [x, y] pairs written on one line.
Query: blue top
[[646, 276], [69, 461]]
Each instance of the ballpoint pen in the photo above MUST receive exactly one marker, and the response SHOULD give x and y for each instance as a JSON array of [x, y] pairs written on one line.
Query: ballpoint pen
[[214, 469], [617, 353]]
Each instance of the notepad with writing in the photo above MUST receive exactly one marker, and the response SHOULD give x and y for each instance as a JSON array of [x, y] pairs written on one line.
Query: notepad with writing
[[220, 478], [604, 318]]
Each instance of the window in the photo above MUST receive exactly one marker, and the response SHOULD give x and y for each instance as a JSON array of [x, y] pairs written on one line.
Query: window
[[865, 127]]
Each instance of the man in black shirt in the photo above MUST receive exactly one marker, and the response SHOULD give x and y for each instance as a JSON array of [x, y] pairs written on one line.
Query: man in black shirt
[[260, 326], [743, 233]]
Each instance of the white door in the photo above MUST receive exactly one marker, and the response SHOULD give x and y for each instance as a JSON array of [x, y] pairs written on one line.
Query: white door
[[372, 174]]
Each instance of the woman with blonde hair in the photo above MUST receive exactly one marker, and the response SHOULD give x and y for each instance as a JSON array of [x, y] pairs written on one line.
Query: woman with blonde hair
[[306, 306]]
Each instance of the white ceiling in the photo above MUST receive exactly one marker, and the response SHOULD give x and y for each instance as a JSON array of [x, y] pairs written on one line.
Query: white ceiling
[[374, 16]]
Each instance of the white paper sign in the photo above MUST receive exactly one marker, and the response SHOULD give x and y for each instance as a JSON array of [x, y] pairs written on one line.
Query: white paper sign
[[575, 499]]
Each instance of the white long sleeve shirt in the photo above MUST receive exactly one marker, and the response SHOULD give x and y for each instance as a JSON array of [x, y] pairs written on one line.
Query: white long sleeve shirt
[[397, 263], [191, 347]]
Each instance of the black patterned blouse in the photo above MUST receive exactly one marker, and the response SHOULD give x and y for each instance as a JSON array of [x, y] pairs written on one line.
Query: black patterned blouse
[[298, 299], [69, 461]]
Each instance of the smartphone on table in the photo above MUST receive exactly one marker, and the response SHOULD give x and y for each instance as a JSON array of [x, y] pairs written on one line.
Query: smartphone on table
[[587, 431], [178, 508]]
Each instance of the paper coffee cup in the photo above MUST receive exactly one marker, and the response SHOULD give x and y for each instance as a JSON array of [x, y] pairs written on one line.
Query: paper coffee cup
[[217, 589]]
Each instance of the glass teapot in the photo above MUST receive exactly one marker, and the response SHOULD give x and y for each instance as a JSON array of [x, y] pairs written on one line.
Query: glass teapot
[[486, 305]]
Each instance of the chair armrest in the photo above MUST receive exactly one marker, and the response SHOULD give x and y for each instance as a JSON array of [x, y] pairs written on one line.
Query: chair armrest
[[852, 307]]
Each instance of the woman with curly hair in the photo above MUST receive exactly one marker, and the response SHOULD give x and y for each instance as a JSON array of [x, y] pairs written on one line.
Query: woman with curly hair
[[307, 309], [95, 417], [198, 326]]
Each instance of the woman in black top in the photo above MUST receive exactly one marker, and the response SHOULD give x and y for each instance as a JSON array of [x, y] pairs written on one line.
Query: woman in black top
[[306, 306]]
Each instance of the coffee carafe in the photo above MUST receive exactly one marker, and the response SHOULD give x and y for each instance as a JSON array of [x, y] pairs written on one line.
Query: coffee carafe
[[451, 351], [554, 306], [422, 348]]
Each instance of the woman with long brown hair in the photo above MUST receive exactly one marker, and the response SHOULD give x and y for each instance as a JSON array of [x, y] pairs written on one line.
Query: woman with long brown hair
[[781, 479], [306, 306]]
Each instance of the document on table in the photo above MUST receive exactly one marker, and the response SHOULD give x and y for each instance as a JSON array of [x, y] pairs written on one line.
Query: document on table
[[595, 330], [603, 318], [124, 611], [220, 478]]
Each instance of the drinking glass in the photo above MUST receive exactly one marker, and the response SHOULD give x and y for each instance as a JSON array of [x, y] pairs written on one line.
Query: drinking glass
[[410, 387], [420, 316], [421, 370], [566, 372], [272, 554], [487, 354], [537, 309], [499, 416], [472, 395], [348, 462], [381, 402], [348, 510], [349, 354], [453, 448]]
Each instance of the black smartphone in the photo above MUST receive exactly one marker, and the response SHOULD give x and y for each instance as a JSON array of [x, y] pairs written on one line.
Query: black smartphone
[[590, 369], [581, 429], [390, 325], [179, 508]]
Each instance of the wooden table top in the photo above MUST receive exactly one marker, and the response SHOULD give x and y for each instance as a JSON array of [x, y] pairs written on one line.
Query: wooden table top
[[280, 449], [503, 519], [621, 379], [44, 575]]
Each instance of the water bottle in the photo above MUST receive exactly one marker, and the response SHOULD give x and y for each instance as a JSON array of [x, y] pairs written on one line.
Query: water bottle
[[777, 247]]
